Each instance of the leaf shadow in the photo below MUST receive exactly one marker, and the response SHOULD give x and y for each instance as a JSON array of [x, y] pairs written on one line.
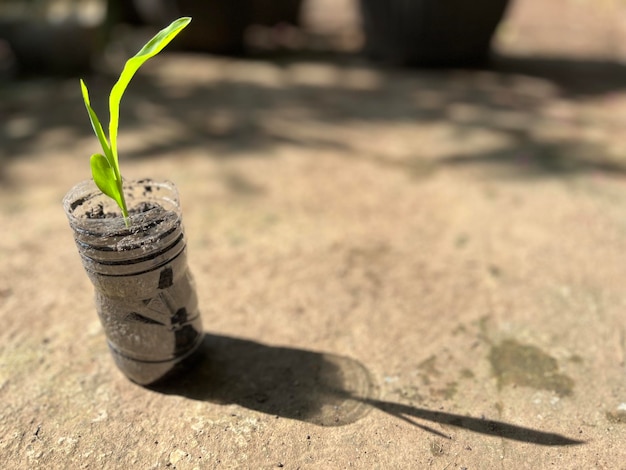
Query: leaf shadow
[[314, 387]]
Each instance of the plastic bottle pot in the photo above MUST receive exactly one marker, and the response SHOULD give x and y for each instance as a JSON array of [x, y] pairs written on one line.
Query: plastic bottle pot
[[144, 292]]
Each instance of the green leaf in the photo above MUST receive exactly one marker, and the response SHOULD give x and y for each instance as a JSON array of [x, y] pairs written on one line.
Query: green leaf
[[106, 180], [95, 123], [152, 48], [105, 168]]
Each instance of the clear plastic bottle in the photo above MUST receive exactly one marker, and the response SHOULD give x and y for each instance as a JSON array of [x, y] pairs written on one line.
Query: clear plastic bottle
[[144, 292]]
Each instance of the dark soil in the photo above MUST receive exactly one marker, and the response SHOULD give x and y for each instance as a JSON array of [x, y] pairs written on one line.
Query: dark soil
[[99, 213]]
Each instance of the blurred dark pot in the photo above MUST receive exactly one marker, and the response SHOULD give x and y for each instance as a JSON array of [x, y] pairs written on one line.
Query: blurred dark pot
[[273, 12], [430, 32], [66, 47], [218, 25]]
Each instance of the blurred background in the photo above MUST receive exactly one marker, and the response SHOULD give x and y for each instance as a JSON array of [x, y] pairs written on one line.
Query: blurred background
[[72, 36], [389, 62], [497, 69]]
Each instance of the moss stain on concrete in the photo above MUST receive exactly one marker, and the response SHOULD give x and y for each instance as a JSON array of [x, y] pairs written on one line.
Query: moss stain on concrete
[[428, 369], [514, 363], [447, 392], [616, 417], [437, 448], [410, 393]]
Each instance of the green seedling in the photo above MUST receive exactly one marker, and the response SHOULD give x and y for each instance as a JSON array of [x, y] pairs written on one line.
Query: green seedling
[[105, 168]]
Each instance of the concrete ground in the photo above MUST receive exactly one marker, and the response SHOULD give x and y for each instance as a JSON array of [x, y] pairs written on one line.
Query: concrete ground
[[396, 268]]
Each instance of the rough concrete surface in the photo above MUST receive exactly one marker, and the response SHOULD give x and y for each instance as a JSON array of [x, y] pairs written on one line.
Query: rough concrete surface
[[396, 268]]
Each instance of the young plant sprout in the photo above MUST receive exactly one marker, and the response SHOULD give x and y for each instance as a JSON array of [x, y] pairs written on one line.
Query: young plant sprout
[[105, 168]]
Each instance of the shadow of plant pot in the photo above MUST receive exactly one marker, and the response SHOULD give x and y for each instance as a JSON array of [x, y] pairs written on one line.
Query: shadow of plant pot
[[430, 32], [310, 386]]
